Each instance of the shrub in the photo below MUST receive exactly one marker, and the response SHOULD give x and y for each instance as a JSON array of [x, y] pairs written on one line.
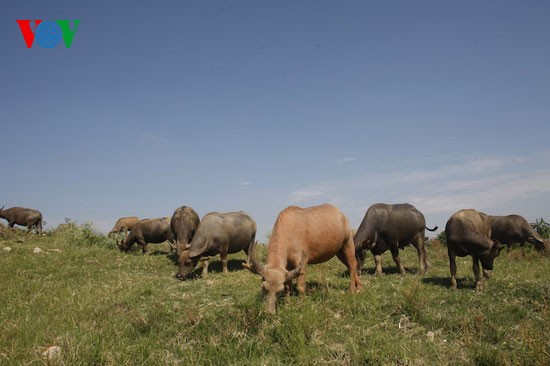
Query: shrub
[[85, 234], [442, 238], [542, 227]]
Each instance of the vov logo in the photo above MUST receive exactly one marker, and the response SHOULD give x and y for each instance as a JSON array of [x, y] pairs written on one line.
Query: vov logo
[[48, 34]]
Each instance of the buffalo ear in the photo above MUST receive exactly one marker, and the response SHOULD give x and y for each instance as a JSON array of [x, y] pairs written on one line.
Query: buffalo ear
[[197, 248]]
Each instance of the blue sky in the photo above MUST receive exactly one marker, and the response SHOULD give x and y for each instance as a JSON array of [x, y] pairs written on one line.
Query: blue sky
[[257, 105]]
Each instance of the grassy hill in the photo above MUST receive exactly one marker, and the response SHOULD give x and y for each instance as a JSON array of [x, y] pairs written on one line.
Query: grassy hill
[[104, 307]]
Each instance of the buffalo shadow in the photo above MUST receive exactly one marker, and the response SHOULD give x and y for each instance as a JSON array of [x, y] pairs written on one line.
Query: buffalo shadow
[[215, 266], [391, 270], [462, 282]]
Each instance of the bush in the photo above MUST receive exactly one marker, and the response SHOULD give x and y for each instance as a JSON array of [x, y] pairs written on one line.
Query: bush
[[85, 234], [442, 238], [542, 228]]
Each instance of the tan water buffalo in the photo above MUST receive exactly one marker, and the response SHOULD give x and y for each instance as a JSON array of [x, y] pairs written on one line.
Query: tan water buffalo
[[391, 227], [22, 216], [148, 231], [124, 224], [513, 229], [468, 232], [184, 224], [220, 233], [304, 236]]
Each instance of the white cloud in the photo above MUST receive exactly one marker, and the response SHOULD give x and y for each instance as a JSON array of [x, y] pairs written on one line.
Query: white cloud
[[306, 194], [483, 193], [488, 184], [246, 183], [345, 160]]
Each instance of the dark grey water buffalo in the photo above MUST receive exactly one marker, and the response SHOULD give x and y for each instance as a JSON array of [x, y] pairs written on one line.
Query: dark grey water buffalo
[[124, 224], [22, 216], [218, 233], [468, 232], [391, 227], [184, 224], [513, 229], [148, 231]]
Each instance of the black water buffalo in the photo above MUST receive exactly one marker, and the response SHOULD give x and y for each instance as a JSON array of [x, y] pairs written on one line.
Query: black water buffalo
[[513, 229], [148, 231], [468, 232], [391, 227], [22, 216], [124, 224], [218, 233], [184, 224]]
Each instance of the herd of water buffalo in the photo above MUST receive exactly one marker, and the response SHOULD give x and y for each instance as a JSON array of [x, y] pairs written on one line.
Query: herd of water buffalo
[[312, 235]]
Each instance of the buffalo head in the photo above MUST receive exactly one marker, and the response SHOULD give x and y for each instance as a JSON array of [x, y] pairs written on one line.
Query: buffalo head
[[273, 279], [187, 265], [121, 244], [488, 259]]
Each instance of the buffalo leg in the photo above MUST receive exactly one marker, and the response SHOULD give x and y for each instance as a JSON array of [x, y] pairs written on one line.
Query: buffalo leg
[[288, 290], [420, 246], [347, 256], [360, 256], [452, 264], [205, 263], [301, 279], [477, 273], [143, 246], [378, 265], [223, 256], [396, 259]]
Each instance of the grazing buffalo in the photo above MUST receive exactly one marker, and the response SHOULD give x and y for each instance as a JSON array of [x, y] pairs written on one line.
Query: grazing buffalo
[[391, 227], [304, 236], [124, 224], [468, 232], [184, 224], [148, 231], [218, 233], [22, 216], [514, 229]]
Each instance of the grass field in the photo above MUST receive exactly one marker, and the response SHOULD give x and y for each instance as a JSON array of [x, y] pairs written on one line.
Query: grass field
[[103, 307]]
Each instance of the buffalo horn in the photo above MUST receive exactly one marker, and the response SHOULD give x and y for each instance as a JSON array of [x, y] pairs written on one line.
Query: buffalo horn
[[254, 266], [296, 271]]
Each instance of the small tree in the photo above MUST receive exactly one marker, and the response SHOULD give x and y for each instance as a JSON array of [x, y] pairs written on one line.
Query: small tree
[[442, 237], [542, 227]]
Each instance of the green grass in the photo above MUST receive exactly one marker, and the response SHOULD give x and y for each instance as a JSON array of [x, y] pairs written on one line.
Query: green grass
[[104, 307]]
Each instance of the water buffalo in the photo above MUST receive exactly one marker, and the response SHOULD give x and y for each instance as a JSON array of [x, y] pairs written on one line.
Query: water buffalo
[[391, 227], [218, 233], [148, 231], [124, 224], [304, 236], [514, 229], [22, 216], [468, 232], [184, 224]]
